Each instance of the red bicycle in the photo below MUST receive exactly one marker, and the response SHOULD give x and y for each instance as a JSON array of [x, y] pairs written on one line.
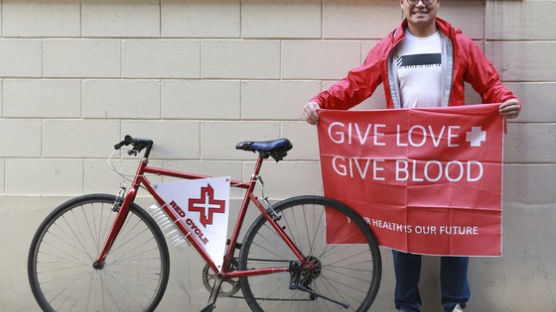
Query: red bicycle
[[102, 252]]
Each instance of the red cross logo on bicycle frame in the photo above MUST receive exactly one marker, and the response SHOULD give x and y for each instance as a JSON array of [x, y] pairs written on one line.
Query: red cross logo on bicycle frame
[[207, 205]]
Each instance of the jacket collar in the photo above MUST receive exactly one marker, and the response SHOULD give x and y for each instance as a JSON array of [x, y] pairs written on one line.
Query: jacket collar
[[443, 26]]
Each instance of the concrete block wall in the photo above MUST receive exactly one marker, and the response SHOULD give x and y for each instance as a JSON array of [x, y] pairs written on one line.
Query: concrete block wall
[[200, 76]]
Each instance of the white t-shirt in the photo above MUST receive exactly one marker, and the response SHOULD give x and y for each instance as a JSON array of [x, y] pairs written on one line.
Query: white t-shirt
[[419, 65]]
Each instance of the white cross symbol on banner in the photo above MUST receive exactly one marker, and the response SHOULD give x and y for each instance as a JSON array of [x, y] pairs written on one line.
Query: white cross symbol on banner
[[476, 136]]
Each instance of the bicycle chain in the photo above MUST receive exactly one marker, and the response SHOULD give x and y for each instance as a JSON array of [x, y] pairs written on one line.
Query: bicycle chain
[[270, 299], [268, 260]]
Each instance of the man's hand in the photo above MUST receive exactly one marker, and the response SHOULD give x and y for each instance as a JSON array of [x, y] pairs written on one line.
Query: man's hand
[[310, 112], [510, 108]]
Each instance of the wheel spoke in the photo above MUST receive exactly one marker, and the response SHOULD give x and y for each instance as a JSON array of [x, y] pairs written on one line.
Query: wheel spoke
[[344, 271], [133, 277]]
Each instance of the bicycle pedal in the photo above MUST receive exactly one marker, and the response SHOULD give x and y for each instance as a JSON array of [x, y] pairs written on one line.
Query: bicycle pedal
[[208, 308]]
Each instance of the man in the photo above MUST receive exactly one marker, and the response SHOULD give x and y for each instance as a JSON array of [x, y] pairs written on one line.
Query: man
[[424, 62]]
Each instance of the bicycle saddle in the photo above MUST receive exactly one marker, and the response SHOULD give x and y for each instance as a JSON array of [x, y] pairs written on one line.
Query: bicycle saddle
[[277, 149]]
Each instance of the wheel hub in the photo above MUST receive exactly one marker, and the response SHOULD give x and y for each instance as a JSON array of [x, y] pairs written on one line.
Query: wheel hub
[[312, 270], [98, 265]]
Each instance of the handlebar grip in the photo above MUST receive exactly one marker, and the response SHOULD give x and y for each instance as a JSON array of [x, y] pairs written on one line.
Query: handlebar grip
[[119, 145], [127, 140]]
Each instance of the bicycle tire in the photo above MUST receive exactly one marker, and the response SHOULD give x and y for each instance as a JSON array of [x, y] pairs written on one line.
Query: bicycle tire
[[60, 263], [347, 256]]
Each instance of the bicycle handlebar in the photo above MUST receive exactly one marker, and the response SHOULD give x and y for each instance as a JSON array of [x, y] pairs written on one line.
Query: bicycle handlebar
[[138, 145]]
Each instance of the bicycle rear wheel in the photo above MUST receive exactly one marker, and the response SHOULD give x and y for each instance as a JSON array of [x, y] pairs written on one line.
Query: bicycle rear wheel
[[60, 263], [328, 233]]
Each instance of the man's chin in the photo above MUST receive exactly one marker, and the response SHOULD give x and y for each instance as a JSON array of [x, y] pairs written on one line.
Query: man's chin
[[423, 21]]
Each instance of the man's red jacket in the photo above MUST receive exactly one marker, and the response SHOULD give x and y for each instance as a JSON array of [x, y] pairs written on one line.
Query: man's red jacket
[[462, 60]]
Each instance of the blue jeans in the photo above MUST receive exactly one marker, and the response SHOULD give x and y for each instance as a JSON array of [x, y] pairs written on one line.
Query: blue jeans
[[453, 281]]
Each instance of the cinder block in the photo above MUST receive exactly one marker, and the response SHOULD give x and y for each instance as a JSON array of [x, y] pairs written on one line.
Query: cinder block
[[192, 18], [529, 183], [80, 138], [100, 178], [200, 99], [20, 138], [172, 139], [82, 58], [530, 143], [319, 59], [276, 99], [121, 99], [42, 98], [533, 271], [304, 139], [281, 19], [288, 178], [240, 59], [129, 18], [21, 58], [161, 58], [44, 176], [468, 15], [515, 20], [537, 99], [41, 18], [21, 216], [2, 176], [523, 60], [213, 168], [360, 18], [219, 138]]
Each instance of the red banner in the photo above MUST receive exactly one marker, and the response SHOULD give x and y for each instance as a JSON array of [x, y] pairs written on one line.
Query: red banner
[[427, 180]]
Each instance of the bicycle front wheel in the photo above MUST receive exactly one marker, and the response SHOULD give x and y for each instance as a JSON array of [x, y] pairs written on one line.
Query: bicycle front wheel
[[347, 263], [60, 264]]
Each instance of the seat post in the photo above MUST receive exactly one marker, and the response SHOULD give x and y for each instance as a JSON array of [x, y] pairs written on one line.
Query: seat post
[[257, 168], [241, 216]]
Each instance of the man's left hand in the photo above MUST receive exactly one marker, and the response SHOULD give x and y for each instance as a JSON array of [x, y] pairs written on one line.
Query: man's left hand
[[510, 108]]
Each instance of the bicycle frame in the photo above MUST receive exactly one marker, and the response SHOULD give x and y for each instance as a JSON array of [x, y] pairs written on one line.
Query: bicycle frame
[[249, 197]]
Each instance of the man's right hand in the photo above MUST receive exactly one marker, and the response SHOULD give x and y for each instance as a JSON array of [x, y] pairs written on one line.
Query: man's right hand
[[310, 112]]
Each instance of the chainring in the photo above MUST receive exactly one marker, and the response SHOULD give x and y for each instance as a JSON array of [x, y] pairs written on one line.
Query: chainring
[[229, 287]]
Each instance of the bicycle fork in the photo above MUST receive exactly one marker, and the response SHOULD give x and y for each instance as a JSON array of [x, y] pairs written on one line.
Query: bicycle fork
[[116, 226]]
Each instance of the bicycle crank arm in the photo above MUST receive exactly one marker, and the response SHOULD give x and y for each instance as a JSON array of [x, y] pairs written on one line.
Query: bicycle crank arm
[[312, 292]]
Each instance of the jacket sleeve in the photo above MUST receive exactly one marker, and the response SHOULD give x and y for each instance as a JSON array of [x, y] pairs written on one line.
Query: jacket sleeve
[[358, 85], [483, 76]]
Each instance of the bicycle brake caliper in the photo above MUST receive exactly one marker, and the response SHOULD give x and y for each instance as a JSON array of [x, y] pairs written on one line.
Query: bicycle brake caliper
[[275, 215]]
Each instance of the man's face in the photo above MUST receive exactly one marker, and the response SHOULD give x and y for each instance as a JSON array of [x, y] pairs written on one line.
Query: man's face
[[422, 13]]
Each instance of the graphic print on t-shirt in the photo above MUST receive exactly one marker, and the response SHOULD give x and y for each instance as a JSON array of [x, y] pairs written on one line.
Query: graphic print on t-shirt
[[419, 60]]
